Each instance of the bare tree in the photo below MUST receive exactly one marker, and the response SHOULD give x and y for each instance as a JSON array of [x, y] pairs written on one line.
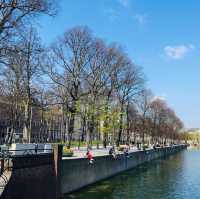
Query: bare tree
[[71, 55], [165, 123], [143, 104], [13, 89], [17, 15], [14, 12], [130, 84], [115, 60], [87, 85], [25, 64], [95, 82]]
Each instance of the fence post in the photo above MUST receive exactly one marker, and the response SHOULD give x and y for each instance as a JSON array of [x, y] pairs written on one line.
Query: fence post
[[2, 166], [57, 166]]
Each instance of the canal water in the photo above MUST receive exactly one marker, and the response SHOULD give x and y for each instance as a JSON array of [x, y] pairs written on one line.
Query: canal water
[[174, 177]]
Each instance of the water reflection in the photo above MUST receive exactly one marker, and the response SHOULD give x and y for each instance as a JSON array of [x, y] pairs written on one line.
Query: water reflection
[[175, 177]]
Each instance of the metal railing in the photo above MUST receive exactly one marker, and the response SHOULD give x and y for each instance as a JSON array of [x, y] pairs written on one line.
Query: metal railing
[[6, 161], [6, 156]]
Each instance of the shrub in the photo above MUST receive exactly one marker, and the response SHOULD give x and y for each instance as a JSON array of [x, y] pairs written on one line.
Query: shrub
[[67, 152], [145, 146], [121, 147]]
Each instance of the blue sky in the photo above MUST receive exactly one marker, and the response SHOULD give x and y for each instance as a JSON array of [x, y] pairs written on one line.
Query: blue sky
[[161, 36]]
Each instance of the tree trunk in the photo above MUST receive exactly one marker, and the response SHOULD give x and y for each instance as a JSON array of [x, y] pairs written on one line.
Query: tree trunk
[[143, 123], [105, 134], [83, 132], [71, 129], [120, 126], [128, 124], [27, 123], [91, 129]]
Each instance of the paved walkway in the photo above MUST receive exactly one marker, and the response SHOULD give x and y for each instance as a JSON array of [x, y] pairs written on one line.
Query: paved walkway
[[81, 153]]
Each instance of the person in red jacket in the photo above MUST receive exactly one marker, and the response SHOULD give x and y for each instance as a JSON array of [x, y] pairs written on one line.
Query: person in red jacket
[[90, 157]]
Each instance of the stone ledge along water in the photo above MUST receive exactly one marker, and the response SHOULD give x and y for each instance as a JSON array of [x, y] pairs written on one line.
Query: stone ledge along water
[[78, 173]]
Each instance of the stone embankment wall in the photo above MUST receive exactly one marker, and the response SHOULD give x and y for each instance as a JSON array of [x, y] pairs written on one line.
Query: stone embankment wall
[[32, 177], [77, 173]]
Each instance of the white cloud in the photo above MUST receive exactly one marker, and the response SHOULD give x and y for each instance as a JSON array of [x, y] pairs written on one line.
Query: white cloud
[[141, 18], [124, 3], [178, 52]]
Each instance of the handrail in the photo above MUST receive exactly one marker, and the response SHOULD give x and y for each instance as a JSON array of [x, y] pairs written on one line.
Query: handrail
[[9, 154], [4, 152]]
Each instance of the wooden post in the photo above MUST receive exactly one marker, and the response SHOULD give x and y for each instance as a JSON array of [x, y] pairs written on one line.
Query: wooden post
[[2, 166], [57, 166]]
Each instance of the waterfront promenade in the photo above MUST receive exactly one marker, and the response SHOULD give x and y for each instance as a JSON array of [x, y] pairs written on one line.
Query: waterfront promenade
[[101, 151]]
